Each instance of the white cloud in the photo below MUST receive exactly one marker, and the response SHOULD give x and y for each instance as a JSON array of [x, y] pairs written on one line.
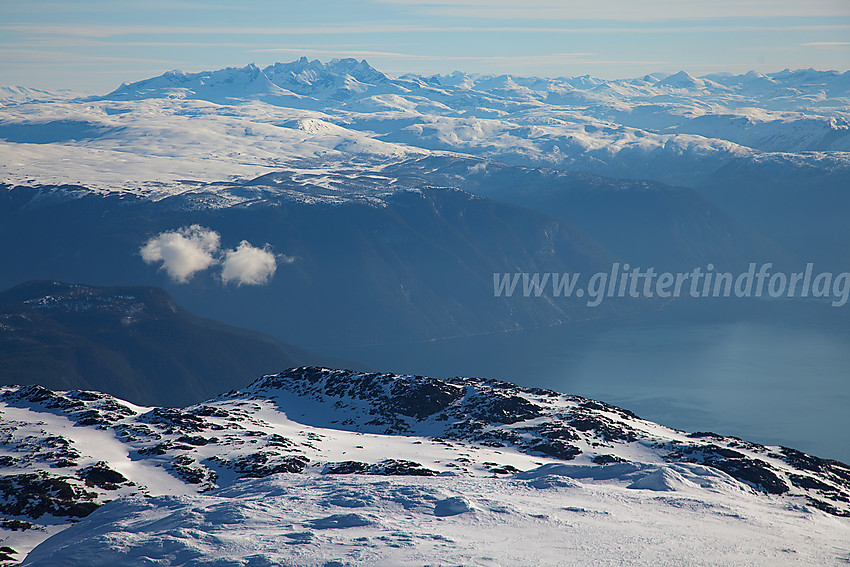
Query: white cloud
[[183, 252], [248, 265], [628, 10], [826, 44], [191, 249]]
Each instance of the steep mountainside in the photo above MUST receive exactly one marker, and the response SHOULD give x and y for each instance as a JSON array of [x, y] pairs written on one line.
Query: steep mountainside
[[363, 258], [643, 222], [133, 342]]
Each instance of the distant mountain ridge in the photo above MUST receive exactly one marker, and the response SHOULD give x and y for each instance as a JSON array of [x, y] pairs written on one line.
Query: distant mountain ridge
[[315, 78], [337, 78], [232, 82]]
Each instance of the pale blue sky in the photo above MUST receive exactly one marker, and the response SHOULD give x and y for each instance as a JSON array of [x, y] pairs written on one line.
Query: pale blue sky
[[94, 45]]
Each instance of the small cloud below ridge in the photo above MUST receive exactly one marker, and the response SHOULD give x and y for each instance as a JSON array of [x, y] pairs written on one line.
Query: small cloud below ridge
[[189, 250], [248, 265], [183, 252]]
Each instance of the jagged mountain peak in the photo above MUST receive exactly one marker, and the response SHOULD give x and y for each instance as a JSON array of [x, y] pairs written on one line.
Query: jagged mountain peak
[[360, 70], [300, 69], [334, 79], [682, 79], [754, 75]]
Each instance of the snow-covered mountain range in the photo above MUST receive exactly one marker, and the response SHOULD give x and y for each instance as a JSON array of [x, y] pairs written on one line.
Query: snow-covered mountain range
[[314, 466], [239, 122]]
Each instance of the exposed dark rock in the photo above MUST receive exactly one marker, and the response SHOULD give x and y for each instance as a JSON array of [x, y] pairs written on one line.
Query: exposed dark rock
[[458, 412], [195, 440], [705, 435], [187, 469], [607, 459], [175, 420], [809, 482], [425, 397], [347, 467], [553, 431], [501, 469], [262, 464], [602, 406], [604, 428], [208, 411], [555, 448], [827, 507], [15, 525], [101, 476], [401, 467], [275, 440], [754, 472], [7, 553], [835, 469], [35, 494], [500, 408]]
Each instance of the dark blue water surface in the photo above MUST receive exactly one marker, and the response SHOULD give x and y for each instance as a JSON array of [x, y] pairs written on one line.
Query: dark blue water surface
[[778, 375]]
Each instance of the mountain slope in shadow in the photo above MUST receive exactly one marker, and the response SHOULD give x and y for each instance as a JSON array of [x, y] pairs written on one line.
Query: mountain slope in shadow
[[132, 342]]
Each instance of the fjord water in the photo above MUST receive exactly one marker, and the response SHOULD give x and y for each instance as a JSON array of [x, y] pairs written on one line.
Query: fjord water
[[774, 374]]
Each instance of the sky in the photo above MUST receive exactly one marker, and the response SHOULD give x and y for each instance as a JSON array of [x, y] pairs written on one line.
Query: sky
[[95, 45]]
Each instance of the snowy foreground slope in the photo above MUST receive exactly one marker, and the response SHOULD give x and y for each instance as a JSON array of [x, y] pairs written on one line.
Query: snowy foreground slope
[[325, 467]]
